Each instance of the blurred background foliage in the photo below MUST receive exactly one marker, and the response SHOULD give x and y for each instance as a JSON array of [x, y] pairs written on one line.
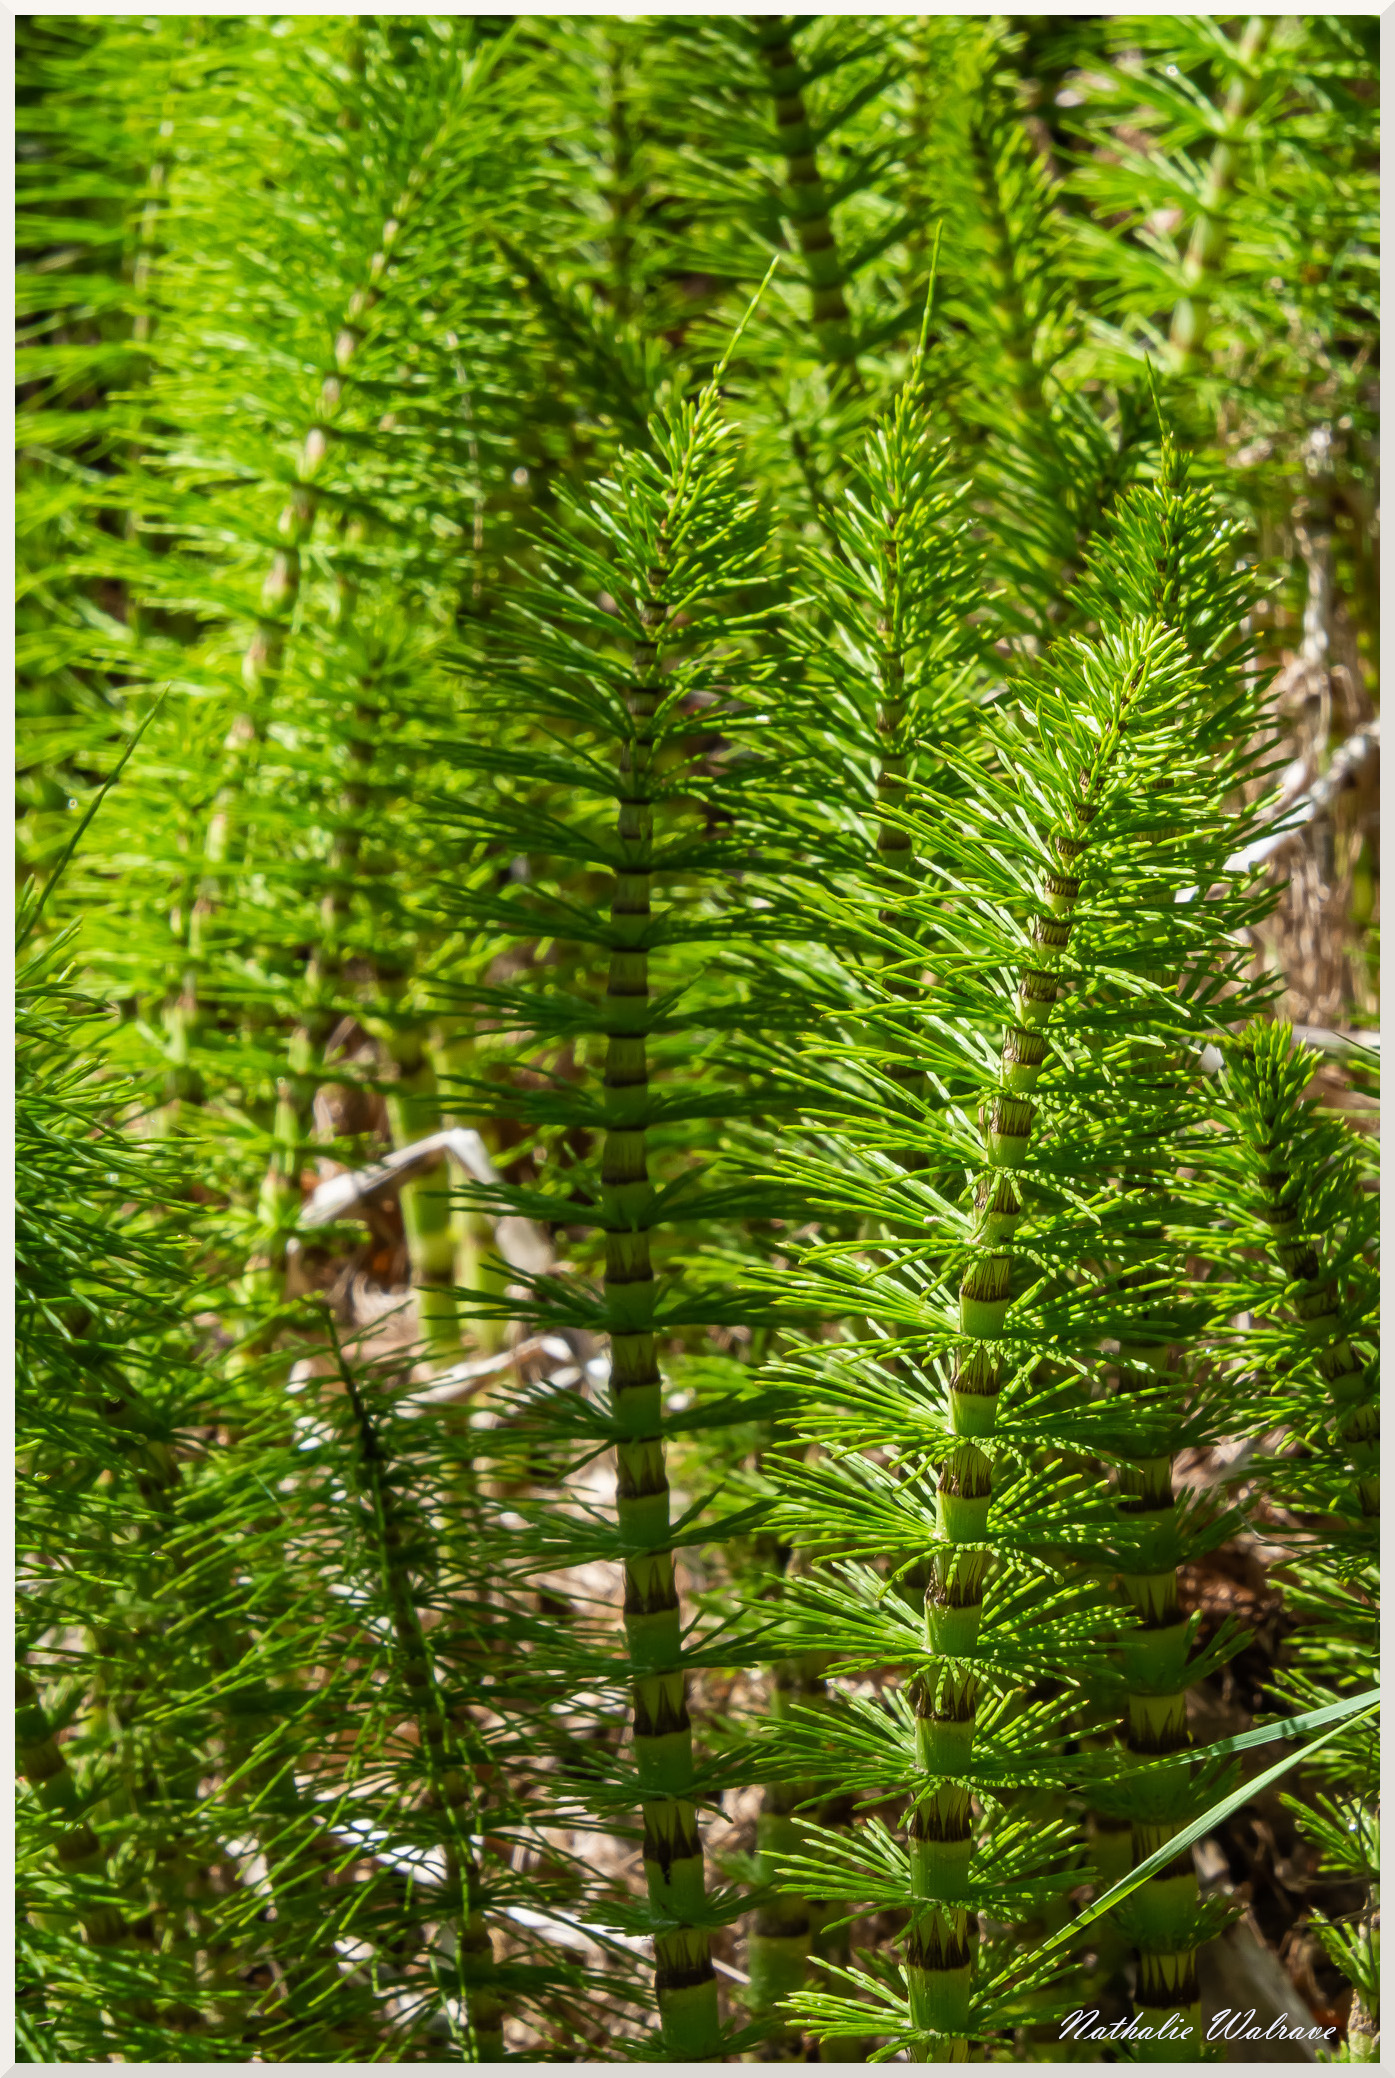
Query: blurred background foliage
[[321, 320]]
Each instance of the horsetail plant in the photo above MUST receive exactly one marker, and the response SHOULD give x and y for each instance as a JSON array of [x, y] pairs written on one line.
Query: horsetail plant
[[315, 625], [1304, 1278], [703, 544], [1300, 1173], [1336, 1601], [882, 687], [119, 1832], [1060, 1027], [1167, 558], [815, 865], [805, 195], [449, 1770], [623, 657], [104, 1375]]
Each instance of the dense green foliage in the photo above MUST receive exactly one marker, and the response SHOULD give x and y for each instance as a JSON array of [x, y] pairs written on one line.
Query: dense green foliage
[[665, 1213]]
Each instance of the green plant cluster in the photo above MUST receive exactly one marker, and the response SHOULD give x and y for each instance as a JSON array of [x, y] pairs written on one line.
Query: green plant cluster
[[663, 1216]]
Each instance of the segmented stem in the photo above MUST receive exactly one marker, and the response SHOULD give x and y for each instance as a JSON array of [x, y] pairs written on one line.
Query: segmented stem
[[895, 852], [1155, 1723], [805, 196], [1015, 326], [40, 1761], [1191, 317], [777, 1952], [684, 1980], [621, 192], [1271, 1073], [893, 839], [941, 1938], [264, 656], [942, 1934], [448, 1769]]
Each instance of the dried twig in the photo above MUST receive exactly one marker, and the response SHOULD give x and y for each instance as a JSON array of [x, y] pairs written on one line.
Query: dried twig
[[1346, 762], [523, 1245]]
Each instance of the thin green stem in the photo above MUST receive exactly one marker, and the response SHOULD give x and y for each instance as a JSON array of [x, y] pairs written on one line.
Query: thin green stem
[[1191, 319], [448, 1771], [685, 1982], [80, 1853], [1270, 1073], [805, 196]]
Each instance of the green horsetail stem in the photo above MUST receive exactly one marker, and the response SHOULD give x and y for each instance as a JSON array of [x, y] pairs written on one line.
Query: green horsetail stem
[[1156, 1669], [1270, 1074], [806, 198], [262, 662], [412, 1100], [264, 655], [413, 1105], [624, 195], [778, 1947], [789, 1926], [903, 451], [943, 1932], [306, 1064], [684, 1980], [1155, 1655], [1192, 315], [80, 1855], [1015, 327], [1163, 1916], [893, 839], [1156, 1673], [449, 1775]]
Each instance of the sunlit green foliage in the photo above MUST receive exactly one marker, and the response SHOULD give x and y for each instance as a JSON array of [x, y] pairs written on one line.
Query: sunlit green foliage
[[691, 601]]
